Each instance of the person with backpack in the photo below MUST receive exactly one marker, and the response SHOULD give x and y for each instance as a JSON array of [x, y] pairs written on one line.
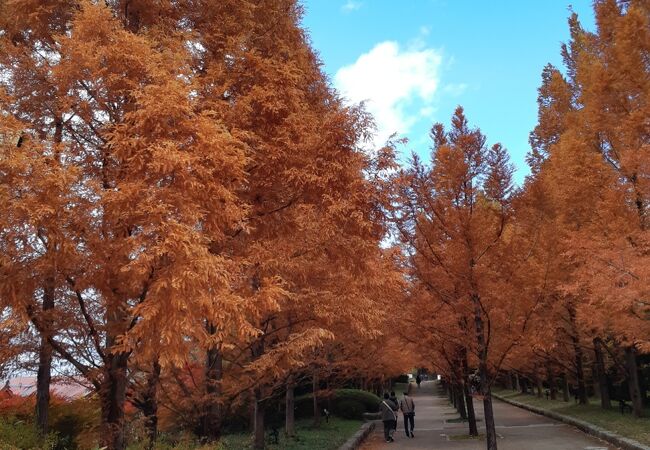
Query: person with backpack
[[407, 405], [388, 417]]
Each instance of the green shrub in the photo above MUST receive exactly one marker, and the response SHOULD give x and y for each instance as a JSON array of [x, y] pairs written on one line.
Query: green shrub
[[76, 422], [366, 401], [369, 400], [349, 409], [19, 434], [304, 406]]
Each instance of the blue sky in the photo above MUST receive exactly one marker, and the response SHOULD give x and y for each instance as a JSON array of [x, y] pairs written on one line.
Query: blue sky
[[414, 61]]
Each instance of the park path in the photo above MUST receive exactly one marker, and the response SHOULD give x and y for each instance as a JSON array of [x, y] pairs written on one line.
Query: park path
[[517, 429]]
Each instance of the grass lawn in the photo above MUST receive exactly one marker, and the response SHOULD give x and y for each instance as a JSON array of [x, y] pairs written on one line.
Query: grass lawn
[[329, 436], [612, 420]]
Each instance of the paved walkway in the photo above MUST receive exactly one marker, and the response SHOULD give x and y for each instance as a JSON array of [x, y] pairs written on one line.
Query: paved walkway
[[517, 429]]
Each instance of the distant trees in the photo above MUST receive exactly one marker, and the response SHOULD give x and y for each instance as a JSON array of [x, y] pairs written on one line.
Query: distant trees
[[455, 219]]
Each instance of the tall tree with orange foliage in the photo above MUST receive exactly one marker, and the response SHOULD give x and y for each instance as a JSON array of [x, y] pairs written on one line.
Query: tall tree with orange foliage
[[591, 157], [311, 219], [37, 183], [453, 218], [218, 189], [153, 166]]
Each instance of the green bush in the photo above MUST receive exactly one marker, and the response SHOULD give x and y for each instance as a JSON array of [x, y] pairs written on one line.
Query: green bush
[[76, 422], [19, 434], [304, 406], [349, 409], [364, 402], [369, 400]]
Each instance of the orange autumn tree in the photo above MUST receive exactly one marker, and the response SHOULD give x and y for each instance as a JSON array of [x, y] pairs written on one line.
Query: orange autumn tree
[[309, 226], [221, 191], [446, 334], [153, 168], [557, 338], [40, 218], [453, 219], [590, 154]]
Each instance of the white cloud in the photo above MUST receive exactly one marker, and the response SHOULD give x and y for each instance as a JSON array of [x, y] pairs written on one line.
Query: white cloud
[[351, 5], [455, 89], [397, 85]]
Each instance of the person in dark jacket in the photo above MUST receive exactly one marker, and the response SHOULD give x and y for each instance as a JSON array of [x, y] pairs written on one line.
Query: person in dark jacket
[[388, 416], [393, 398]]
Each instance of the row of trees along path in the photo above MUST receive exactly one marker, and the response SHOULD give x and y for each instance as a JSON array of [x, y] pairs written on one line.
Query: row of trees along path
[[188, 219], [549, 281]]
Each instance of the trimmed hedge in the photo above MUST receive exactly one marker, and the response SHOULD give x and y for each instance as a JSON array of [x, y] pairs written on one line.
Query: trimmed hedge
[[369, 400], [346, 403], [349, 409]]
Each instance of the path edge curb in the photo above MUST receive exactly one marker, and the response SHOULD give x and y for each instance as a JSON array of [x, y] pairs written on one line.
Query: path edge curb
[[608, 436], [357, 438]]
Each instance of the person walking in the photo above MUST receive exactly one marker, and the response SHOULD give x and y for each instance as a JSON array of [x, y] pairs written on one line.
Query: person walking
[[418, 380], [407, 405], [388, 417], [393, 398]]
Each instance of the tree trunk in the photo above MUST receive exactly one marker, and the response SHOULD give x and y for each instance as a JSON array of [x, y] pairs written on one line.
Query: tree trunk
[[471, 415], [552, 382], [113, 398], [150, 405], [44, 374], [538, 383], [517, 382], [509, 384], [594, 380], [289, 411], [565, 387], [490, 429], [461, 402], [577, 349], [315, 400], [330, 395], [633, 381], [488, 413], [212, 415], [258, 435], [251, 412], [601, 373]]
